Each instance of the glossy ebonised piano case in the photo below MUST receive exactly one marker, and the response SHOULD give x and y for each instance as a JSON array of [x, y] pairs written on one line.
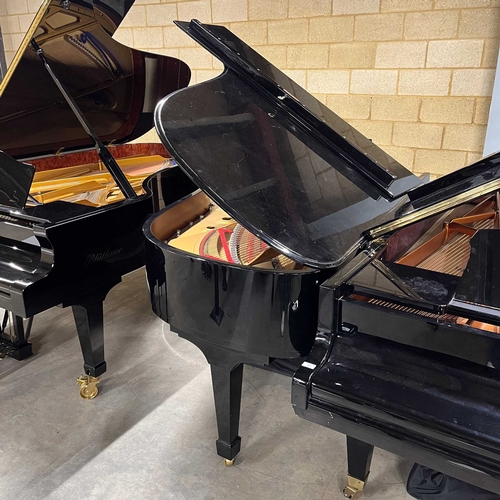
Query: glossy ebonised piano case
[[261, 173], [69, 234], [305, 239]]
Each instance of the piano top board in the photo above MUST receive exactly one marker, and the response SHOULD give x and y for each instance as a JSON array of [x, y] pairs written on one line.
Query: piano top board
[[76, 212]]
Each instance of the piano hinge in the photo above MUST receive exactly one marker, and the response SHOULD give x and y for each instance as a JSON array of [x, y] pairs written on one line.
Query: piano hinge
[[349, 329]]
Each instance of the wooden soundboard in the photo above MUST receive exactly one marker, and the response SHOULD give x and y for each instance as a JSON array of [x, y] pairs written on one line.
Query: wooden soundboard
[[92, 184], [218, 236]]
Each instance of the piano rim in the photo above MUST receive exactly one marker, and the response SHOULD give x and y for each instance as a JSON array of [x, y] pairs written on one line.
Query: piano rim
[[160, 243]]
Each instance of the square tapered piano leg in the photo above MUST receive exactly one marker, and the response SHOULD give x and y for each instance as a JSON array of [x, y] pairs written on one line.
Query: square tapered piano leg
[[359, 459], [90, 327], [227, 384]]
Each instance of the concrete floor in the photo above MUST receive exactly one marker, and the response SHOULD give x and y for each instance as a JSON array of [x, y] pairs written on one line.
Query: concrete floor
[[150, 433]]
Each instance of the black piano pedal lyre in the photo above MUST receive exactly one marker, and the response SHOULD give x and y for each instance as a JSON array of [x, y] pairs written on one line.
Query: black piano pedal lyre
[[89, 316], [14, 337], [359, 459]]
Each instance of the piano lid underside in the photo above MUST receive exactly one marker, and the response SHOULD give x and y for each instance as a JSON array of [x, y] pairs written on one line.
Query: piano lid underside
[[448, 251], [102, 75]]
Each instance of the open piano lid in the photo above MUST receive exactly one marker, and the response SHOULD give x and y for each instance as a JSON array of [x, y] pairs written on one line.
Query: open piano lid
[[110, 13], [277, 160], [116, 87], [469, 183]]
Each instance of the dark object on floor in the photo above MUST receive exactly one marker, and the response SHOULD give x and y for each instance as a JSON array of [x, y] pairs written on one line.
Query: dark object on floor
[[424, 483]]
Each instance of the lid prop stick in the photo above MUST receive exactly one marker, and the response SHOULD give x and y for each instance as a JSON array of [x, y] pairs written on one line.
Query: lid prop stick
[[103, 152]]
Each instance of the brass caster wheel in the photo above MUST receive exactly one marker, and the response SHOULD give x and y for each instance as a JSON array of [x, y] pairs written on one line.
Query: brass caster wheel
[[348, 493], [88, 386], [228, 463], [353, 488]]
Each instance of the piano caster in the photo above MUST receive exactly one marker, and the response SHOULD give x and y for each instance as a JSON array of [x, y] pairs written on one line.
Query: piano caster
[[88, 386], [228, 463], [354, 486]]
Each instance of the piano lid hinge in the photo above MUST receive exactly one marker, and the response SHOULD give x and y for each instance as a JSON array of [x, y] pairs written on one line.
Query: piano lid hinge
[[348, 329], [374, 247]]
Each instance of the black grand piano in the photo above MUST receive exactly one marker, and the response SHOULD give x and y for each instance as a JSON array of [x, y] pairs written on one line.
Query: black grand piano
[[308, 250], [72, 229]]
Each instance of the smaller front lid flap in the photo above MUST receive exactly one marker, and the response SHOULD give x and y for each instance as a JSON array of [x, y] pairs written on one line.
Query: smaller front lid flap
[[478, 292], [478, 179], [277, 160], [15, 181]]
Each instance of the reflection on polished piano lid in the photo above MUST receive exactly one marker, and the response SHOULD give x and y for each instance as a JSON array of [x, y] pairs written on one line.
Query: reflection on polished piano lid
[[116, 87], [289, 169], [277, 160]]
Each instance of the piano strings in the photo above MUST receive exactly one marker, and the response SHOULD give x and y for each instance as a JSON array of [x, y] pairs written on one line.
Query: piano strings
[[445, 248], [91, 184], [217, 236]]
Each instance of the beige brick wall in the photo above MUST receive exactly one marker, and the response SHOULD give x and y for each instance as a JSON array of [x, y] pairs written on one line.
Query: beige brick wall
[[416, 76]]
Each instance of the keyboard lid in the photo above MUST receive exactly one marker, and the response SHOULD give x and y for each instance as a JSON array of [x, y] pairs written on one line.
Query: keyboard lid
[[276, 159], [116, 87]]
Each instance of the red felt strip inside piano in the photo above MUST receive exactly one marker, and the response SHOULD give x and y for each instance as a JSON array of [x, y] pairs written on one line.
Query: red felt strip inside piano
[[87, 157]]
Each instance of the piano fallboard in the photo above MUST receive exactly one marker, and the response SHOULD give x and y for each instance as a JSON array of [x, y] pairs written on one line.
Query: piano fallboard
[[427, 331]]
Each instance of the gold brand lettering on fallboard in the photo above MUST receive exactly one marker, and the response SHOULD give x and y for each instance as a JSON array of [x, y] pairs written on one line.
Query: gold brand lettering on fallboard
[[99, 257]]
